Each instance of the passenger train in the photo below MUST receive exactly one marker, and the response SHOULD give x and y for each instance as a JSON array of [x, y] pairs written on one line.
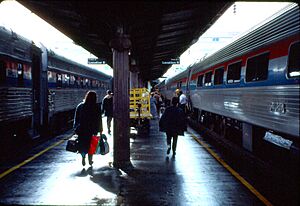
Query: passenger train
[[249, 88], [39, 90]]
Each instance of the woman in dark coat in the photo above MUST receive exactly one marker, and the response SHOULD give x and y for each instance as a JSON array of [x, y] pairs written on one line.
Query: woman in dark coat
[[87, 122], [173, 122]]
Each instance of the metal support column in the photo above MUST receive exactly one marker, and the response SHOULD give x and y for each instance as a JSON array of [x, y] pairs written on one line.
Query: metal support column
[[120, 47]]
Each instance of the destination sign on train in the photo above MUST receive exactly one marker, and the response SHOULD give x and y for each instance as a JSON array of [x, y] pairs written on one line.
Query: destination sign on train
[[96, 61], [171, 61]]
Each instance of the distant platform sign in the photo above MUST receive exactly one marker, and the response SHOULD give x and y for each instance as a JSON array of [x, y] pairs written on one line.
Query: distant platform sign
[[171, 61], [96, 61]]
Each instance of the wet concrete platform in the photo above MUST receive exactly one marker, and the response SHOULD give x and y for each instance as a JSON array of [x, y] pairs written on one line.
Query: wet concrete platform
[[56, 177]]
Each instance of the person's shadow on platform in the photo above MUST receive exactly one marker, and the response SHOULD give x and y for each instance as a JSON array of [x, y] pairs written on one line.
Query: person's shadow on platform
[[108, 178], [84, 172]]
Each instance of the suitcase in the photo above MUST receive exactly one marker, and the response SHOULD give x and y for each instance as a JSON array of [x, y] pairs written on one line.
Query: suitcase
[[72, 144]]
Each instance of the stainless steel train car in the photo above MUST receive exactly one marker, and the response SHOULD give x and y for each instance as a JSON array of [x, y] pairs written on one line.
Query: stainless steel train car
[[250, 88], [39, 89]]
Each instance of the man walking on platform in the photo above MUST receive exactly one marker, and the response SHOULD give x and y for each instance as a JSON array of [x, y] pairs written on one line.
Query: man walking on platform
[[107, 108], [173, 122], [182, 101]]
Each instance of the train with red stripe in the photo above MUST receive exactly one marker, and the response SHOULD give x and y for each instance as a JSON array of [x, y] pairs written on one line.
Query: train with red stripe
[[39, 90], [249, 91]]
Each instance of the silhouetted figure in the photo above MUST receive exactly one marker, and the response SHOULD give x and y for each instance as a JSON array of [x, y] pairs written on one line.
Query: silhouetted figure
[[107, 108], [173, 122], [158, 102], [87, 122], [153, 106]]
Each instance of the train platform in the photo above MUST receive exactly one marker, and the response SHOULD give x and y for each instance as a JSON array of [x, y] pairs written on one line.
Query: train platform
[[195, 176]]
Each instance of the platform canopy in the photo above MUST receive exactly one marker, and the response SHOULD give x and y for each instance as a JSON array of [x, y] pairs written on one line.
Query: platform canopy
[[159, 30]]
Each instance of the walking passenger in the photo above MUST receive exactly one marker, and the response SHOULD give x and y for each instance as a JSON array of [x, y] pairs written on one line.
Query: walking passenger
[[158, 102], [87, 122], [173, 122], [153, 106], [107, 108], [182, 101]]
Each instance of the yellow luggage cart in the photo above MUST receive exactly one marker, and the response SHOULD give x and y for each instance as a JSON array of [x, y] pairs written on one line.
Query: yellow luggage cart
[[140, 109]]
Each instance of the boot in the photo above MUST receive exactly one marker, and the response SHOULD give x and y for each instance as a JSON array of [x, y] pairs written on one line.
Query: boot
[[90, 157]]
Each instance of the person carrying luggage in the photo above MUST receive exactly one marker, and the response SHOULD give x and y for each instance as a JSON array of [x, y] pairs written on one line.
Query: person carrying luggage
[[87, 122]]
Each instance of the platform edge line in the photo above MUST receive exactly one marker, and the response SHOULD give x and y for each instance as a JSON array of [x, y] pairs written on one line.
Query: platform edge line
[[29, 159], [234, 173]]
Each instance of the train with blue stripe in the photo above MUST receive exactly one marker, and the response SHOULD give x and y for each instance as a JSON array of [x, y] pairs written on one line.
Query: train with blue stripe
[[248, 90], [39, 90]]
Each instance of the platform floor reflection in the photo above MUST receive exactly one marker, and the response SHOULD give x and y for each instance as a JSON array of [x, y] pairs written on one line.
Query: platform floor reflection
[[192, 177]]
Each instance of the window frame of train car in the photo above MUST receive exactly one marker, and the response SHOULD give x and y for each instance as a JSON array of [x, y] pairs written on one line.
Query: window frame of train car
[[293, 56], [216, 74], [20, 73], [257, 68], [65, 80], [179, 84], [58, 80], [231, 71], [198, 82], [51, 77], [72, 81], [211, 81]]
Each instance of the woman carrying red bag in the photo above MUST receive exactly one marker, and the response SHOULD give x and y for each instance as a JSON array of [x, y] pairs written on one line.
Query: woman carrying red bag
[[87, 123]]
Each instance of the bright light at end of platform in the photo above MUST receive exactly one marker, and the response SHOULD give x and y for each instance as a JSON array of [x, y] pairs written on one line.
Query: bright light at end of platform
[[16, 17]]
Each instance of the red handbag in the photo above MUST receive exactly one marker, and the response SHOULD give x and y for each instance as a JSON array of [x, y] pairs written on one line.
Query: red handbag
[[93, 144]]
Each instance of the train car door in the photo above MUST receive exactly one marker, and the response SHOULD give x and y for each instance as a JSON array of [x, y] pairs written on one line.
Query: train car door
[[188, 82], [36, 91], [44, 111], [188, 88]]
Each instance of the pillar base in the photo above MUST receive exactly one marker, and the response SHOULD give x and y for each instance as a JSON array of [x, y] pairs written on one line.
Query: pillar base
[[125, 166]]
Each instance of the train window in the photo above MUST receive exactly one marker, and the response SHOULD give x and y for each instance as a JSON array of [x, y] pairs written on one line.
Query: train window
[[257, 68], [11, 71], [200, 81], [2, 72], [51, 77], [294, 61], [78, 82], [87, 83], [20, 72], [58, 80], [27, 72], [179, 84], [234, 73], [207, 79], [65, 80], [72, 80], [219, 73], [94, 83], [83, 82]]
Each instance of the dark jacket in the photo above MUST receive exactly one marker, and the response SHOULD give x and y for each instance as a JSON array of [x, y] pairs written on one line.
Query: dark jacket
[[107, 106], [173, 121], [87, 121]]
